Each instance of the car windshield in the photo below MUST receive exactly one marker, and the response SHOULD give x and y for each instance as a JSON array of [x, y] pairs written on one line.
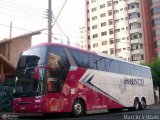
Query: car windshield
[[32, 57]]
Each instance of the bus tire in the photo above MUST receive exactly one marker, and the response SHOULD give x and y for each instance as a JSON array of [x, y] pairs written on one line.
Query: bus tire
[[143, 104], [136, 105], [78, 108]]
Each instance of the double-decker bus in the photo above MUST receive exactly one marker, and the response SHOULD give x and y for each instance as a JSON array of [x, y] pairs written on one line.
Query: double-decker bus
[[53, 78]]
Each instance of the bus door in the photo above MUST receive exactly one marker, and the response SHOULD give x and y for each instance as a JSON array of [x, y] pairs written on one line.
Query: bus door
[[55, 81]]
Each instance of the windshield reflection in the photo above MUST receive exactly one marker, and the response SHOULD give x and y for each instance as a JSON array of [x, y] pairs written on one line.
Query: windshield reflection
[[30, 82]]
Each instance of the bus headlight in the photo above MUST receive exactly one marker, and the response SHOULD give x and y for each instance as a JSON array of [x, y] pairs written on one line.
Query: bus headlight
[[37, 101]]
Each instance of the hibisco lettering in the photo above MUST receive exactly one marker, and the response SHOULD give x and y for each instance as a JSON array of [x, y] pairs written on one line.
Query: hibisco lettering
[[134, 81]]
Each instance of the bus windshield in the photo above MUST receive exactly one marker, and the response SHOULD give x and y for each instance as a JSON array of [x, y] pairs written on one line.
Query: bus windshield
[[27, 84], [32, 57]]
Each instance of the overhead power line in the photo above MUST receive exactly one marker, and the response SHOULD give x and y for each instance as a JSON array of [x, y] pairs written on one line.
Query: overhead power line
[[60, 28], [16, 27], [22, 5], [59, 13]]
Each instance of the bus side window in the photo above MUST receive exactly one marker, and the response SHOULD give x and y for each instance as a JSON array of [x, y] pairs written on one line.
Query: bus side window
[[135, 70], [92, 64], [124, 68], [143, 72], [112, 66], [81, 59]]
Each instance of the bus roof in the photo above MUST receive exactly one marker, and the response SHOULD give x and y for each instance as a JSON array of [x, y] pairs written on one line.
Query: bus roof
[[100, 54]]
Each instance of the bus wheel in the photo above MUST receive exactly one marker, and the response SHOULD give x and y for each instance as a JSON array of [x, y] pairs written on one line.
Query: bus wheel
[[78, 108], [143, 104], [136, 104]]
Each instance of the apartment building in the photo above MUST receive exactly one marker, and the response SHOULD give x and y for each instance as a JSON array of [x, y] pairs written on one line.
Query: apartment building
[[155, 17], [119, 28], [83, 42]]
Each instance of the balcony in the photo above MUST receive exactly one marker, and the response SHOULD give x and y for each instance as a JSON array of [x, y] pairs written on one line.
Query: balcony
[[131, 1], [134, 10], [138, 40], [137, 51], [138, 20], [136, 30]]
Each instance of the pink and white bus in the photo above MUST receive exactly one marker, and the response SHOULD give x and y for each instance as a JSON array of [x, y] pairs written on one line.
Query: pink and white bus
[[53, 78]]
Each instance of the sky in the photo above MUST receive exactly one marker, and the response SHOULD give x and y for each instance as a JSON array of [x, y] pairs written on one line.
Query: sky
[[30, 15]]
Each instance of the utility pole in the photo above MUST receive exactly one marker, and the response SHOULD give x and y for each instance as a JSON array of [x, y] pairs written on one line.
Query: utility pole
[[10, 31], [49, 21]]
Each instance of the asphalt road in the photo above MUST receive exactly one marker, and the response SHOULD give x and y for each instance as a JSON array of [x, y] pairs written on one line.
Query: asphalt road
[[151, 113]]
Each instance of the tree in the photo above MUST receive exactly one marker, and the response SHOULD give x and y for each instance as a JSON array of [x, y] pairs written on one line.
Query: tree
[[155, 69]]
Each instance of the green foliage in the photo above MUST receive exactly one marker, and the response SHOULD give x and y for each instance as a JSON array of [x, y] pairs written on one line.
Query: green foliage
[[155, 69]]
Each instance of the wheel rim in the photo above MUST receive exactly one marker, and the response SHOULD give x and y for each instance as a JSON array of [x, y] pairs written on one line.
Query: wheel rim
[[77, 108], [143, 104], [136, 105]]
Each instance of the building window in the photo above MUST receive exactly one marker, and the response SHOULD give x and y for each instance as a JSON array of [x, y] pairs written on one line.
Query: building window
[[136, 36], [157, 44], [136, 46], [110, 22], [94, 9], [109, 3], [155, 1], [103, 14], [116, 21], [115, 2], [95, 35], [135, 25], [155, 10], [126, 28], [103, 24], [105, 52], [111, 51], [122, 28], [156, 21], [110, 31], [102, 6], [118, 50], [133, 5], [122, 18], [121, 9], [109, 12], [134, 15], [118, 40], [111, 41], [157, 32], [117, 30], [103, 33], [104, 42], [123, 38], [137, 57], [93, 1], [116, 11], [95, 45], [94, 18], [94, 27]]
